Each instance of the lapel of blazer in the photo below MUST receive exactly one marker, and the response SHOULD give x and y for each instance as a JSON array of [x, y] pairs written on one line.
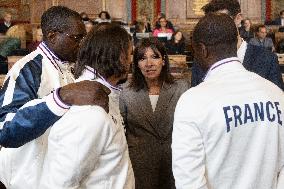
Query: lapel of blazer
[[144, 105], [164, 101]]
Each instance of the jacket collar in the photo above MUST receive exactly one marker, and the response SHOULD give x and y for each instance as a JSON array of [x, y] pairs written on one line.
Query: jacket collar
[[221, 66], [90, 74], [55, 61]]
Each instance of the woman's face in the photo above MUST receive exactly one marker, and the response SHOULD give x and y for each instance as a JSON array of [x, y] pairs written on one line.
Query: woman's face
[[151, 65], [163, 22], [39, 35], [103, 16], [89, 26], [178, 36], [247, 23]]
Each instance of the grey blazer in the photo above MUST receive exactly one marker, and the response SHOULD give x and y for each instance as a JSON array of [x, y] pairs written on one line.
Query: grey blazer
[[149, 133]]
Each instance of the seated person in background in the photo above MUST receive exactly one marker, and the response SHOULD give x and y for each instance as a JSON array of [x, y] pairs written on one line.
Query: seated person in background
[[140, 27], [163, 28], [103, 17], [246, 30], [85, 17], [177, 44], [87, 147], [169, 23], [37, 39], [261, 40], [280, 20], [6, 24], [89, 25], [15, 34], [145, 26]]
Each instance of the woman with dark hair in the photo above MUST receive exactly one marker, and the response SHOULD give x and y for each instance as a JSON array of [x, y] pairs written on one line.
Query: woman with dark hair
[[177, 44], [162, 28], [103, 17], [147, 105]]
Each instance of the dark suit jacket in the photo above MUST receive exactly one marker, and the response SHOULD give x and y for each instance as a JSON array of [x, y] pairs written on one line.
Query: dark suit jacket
[[277, 21], [257, 60], [149, 133], [4, 28]]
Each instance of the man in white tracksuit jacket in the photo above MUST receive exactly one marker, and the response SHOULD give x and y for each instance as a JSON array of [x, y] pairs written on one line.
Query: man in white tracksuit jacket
[[87, 147], [228, 130]]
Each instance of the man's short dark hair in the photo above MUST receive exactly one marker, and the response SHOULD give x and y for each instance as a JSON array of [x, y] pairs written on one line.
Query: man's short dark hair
[[57, 18], [216, 30], [105, 50], [233, 7], [258, 27]]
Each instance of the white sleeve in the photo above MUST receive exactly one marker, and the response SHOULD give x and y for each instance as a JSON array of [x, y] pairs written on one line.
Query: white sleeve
[[74, 145], [280, 184], [188, 154]]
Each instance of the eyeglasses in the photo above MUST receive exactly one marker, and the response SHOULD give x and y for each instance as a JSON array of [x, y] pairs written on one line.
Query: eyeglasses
[[76, 38]]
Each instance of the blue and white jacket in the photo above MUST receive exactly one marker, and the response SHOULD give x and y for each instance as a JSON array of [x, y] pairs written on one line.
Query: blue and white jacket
[[29, 101]]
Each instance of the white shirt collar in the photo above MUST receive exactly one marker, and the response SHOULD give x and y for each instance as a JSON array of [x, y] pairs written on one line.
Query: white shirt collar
[[282, 21], [220, 63], [8, 24], [89, 74], [242, 51], [57, 63]]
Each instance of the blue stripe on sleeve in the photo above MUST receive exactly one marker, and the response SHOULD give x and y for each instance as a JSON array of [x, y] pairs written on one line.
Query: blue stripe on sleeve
[[26, 87], [28, 124]]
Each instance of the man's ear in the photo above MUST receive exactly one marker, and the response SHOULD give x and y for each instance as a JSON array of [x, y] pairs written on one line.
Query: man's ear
[[204, 50], [51, 37]]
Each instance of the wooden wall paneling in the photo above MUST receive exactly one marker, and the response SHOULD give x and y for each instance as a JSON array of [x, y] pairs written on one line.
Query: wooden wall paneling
[[117, 9], [91, 7], [251, 9], [175, 9]]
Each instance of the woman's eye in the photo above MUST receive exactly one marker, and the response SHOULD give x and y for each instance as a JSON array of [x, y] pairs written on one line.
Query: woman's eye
[[156, 57]]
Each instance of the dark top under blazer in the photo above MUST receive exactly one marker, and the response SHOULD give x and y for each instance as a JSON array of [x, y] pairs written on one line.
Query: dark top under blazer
[[277, 21], [149, 133], [257, 60]]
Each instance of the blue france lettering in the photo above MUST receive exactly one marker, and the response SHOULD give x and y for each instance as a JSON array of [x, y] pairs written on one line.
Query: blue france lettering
[[227, 118], [268, 111], [236, 115], [278, 112], [248, 114], [259, 112]]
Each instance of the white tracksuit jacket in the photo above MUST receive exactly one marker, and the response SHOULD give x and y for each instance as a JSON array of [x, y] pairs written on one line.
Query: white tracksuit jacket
[[228, 132], [85, 149]]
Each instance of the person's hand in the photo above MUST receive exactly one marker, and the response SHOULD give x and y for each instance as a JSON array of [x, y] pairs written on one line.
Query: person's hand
[[85, 93]]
